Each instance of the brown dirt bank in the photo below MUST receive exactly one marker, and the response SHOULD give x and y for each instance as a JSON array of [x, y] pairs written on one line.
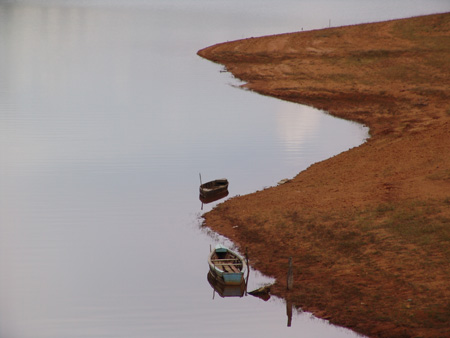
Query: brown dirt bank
[[369, 229]]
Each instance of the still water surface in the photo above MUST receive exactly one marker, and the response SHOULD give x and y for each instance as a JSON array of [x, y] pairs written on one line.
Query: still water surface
[[107, 116]]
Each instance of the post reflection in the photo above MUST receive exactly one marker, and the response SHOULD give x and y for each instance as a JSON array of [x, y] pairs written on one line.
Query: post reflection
[[289, 312]]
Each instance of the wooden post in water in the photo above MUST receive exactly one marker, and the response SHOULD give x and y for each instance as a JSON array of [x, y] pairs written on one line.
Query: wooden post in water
[[290, 275], [290, 285]]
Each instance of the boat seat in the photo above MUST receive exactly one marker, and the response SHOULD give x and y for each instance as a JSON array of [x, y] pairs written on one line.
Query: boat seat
[[231, 268]]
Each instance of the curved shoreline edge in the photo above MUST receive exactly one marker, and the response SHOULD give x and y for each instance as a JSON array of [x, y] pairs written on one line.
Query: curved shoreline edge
[[368, 229]]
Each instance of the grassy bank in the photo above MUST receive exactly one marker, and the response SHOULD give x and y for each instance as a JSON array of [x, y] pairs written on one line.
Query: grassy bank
[[369, 229]]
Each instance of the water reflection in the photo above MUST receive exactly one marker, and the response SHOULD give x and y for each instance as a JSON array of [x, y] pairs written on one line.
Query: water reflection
[[226, 290], [289, 307], [292, 119], [213, 198]]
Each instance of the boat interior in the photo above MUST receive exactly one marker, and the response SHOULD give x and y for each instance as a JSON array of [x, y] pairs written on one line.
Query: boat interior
[[215, 184], [227, 262]]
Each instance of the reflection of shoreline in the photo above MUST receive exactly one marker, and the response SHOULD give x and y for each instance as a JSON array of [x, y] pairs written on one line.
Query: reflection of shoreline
[[370, 74]]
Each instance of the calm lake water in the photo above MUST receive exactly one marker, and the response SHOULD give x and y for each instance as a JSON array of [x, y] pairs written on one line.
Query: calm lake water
[[107, 117]]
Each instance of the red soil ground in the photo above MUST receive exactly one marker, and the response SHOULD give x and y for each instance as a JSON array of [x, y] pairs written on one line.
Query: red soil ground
[[369, 229]]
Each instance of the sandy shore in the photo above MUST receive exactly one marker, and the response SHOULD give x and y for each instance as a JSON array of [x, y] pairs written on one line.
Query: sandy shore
[[369, 229]]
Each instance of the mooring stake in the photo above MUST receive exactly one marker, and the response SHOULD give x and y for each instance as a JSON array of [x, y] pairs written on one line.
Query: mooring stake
[[290, 275]]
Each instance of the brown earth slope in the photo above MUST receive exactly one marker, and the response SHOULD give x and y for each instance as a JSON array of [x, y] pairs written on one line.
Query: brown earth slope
[[369, 229]]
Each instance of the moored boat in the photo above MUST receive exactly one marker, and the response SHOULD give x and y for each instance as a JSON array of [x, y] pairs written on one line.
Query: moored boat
[[226, 265], [214, 188]]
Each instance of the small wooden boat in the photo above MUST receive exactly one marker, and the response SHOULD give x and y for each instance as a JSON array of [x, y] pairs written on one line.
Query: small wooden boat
[[227, 266], [213, 188]]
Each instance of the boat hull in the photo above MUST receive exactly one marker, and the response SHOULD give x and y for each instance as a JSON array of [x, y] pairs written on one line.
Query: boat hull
[[214, 188], [228, 278]]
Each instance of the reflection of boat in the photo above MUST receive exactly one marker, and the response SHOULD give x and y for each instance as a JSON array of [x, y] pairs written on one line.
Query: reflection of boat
[[213, 198], [226, 290], [226, 265], [213, 188]]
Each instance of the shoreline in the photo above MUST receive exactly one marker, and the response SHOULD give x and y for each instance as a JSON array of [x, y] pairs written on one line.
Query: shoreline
[[368, 229]]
